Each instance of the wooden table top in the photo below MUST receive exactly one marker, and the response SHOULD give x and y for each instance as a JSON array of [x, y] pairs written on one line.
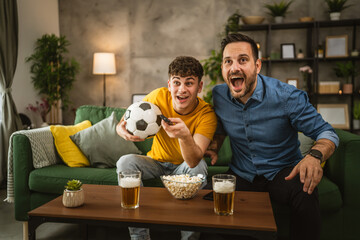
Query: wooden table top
[[252, 210]]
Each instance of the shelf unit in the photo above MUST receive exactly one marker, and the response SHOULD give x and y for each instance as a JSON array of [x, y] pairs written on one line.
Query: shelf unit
[[313, 30]]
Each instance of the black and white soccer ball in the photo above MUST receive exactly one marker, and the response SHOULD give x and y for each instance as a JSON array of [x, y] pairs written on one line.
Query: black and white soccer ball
[[143, 119]]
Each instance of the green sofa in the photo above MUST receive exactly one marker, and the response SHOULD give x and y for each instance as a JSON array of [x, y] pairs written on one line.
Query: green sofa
[[338, 190]]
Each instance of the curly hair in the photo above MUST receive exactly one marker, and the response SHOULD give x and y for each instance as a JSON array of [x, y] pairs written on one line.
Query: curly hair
[[185, 66]]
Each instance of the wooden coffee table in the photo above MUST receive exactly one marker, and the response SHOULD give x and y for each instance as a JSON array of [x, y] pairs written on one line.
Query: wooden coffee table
[[253, 213]]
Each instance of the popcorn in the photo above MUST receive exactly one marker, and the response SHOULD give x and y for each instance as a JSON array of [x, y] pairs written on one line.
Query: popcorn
[[182, 186]]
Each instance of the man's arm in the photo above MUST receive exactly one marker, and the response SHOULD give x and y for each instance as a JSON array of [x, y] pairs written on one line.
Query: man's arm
[[214, 147], [309, 168], [192, 147]]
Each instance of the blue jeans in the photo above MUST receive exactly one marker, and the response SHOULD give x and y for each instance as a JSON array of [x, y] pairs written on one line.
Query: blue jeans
[[151, 168]]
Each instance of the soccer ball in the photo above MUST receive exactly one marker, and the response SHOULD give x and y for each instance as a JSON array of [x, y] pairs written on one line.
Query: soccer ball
[[143, 119]]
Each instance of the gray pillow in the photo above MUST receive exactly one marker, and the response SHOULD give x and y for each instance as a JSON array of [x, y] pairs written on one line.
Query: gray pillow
[[306, 143], [101, 144]]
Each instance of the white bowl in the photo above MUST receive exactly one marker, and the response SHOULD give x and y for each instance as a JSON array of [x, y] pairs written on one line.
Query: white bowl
[[253, 19], [182, 186]]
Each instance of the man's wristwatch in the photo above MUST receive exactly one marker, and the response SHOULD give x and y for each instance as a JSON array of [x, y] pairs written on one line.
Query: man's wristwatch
[[316, 154]]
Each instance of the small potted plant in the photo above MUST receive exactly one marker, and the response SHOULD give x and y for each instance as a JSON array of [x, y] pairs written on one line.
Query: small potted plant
[[346, 71], [278, 10], [73, 194], [356, 114], [335, 8]]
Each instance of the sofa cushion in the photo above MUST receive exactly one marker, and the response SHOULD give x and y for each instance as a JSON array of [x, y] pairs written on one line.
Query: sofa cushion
[[96, 113], [102, 145], [67, 149], [52, 179], [306, 143]]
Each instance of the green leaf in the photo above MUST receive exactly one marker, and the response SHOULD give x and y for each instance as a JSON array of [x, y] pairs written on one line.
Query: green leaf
[[278, 9], [73, 185], [52, 74]]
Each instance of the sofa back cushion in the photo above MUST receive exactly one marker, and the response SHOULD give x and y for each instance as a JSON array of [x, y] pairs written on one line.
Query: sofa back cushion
[[102, 145], [97, 113]]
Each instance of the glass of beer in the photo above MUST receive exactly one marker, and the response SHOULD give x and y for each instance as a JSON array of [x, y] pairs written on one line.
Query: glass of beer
[[130, 189], [224, 192]]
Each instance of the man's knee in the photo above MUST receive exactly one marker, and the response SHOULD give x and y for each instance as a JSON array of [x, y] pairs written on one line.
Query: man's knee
[[126, 162], [201, 168]]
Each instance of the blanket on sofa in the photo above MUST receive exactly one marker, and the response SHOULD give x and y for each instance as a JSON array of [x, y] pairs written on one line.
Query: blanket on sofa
[[43, 153]]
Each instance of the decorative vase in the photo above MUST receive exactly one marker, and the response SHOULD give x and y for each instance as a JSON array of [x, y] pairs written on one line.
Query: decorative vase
[[73, 198], [279, 19], [334, 16], [356, 123], [347, 88]]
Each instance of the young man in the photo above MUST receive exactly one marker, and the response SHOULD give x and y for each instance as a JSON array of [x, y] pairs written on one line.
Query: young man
[[177, 148], [262, 116]]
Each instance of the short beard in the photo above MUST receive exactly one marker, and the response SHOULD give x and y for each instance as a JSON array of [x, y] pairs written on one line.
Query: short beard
[[247, 89]]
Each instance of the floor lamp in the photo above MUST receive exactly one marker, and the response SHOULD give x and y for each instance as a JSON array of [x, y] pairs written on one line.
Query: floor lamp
[[104, 64]]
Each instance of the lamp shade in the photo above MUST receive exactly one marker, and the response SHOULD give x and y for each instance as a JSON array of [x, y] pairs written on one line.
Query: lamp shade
[[104, 63]]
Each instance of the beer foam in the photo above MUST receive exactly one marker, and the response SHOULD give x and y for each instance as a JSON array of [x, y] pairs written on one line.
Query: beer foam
[[224, 187], [129, 182]]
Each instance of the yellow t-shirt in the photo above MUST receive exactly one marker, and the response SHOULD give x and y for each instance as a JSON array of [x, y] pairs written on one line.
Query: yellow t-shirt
[[202, 121]]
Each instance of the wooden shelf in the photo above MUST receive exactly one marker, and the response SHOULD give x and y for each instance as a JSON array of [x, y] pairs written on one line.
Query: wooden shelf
[[297, 25], [311, 39]]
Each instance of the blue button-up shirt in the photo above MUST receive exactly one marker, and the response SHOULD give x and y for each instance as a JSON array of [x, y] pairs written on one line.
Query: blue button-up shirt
[[264, 131]]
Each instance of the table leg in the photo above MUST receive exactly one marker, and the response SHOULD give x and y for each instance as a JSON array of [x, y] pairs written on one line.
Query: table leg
[[33, 223]]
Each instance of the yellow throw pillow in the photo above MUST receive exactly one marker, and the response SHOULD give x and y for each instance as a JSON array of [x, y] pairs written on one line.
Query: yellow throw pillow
[[67, 149]]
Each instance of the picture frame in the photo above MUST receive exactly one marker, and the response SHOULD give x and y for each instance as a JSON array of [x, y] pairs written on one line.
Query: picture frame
[[293, 81], [337, 115], [336, 46], [137, 97], [287, 50]]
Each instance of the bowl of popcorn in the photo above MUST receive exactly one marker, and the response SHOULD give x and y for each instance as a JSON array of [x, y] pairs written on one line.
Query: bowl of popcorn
[[183, 186]]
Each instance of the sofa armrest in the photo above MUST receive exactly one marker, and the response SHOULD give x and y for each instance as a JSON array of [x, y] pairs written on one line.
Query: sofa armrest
[[343, 167], [22, 166]]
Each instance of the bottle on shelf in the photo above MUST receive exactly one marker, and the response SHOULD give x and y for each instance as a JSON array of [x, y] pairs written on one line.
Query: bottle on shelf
[[258, 46], [300, 54], [319, 52]]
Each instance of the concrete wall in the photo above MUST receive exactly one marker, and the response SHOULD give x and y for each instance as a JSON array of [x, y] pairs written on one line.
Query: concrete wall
[[146, 35], [36, 17]]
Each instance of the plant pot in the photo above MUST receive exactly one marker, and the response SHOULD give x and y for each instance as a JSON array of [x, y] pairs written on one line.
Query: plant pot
[[279, 19], [334, 16], [73, 198], [356, 123], [347, 88], [55, 115]]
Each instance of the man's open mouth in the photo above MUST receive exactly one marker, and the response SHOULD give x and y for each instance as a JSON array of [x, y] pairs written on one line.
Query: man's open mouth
[[237, 82], [182, 98]]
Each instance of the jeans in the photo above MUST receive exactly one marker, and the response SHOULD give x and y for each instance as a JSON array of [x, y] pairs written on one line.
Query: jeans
[[149, 169]]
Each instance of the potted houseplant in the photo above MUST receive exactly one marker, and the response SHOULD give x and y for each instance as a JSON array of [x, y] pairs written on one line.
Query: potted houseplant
[[356, 114], [278, 10], [212, 69], [52, 74], [232, 24], [346, 71], [212, 65], [335, 8], [73, 195]]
